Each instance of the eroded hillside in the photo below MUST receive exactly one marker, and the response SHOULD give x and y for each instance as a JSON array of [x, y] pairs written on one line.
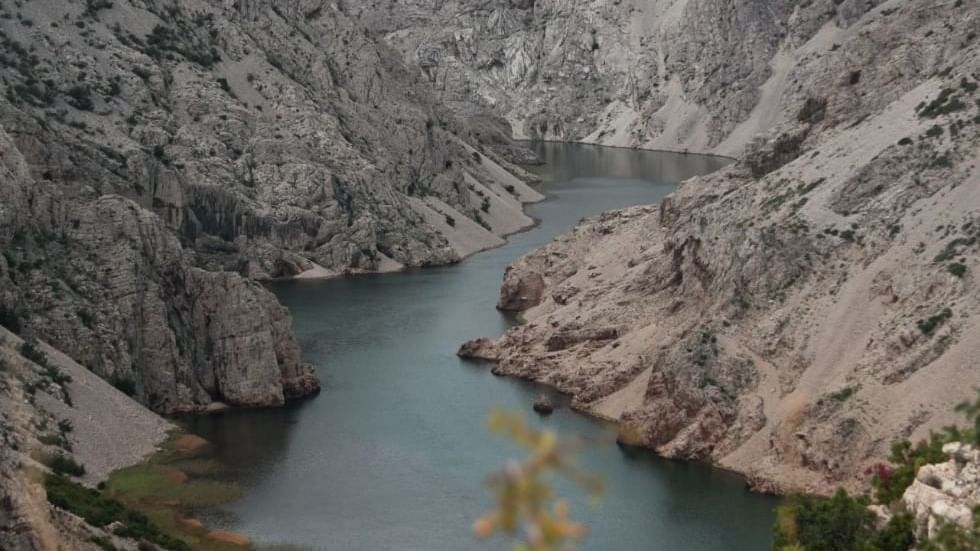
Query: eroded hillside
[[790, 316]]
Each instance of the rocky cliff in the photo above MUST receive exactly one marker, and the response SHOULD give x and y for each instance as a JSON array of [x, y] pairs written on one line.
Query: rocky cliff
[[703, 75], [791, 315], [158, 156]]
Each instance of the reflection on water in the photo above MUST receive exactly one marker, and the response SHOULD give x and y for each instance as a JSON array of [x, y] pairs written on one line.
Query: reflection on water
[[611, 162], [392, 454]]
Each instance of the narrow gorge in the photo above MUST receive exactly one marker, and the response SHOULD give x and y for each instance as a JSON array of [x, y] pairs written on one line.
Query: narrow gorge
[[170, 168]]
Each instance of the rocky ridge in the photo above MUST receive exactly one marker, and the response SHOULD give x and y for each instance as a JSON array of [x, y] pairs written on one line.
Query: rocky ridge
[[159, 156], [793, 314], [699, 75]]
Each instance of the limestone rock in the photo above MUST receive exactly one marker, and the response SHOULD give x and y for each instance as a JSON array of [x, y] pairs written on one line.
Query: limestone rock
[[945, 492], [151, 155], [521, 290]]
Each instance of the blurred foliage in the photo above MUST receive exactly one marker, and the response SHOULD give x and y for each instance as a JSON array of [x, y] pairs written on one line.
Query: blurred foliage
[[526, 506]]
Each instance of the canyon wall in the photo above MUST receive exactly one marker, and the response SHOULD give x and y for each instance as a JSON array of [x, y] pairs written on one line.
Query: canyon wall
[[792, 315], [160, 156], [698, 75]]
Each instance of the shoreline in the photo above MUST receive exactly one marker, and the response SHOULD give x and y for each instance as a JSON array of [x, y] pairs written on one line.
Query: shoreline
[[766, 488], [320, 273], [631, 148]]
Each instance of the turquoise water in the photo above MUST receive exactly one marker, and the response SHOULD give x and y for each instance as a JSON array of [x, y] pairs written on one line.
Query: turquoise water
[[393, 453]]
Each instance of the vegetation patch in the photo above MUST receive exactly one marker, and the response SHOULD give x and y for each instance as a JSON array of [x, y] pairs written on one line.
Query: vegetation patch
[[59, 463], [954, 248], [845, 523], [930, 324], [957, 269], [843, 394], [947, 102], [840, 523], [101, 510], [170, 487]]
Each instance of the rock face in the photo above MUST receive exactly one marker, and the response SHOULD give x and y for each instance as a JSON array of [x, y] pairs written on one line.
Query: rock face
[[115, 290], [790, 315], [945, 492], [157, 154], [704, 75]]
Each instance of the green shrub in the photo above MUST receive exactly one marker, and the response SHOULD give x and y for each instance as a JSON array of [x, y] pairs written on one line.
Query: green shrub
[[125, 385], [841, 523], [92, 7], [81, 97], [10, 319], [100, 510], [956, 269], [33, 353], [843, 394], [947, 102], [890, 483], [928, 325], [897, 535], [60, 463], [953, 248]]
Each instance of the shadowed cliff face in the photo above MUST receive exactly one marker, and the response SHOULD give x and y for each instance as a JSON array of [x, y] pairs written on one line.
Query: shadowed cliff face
[[792, 314], [704, 75], [151, 148]]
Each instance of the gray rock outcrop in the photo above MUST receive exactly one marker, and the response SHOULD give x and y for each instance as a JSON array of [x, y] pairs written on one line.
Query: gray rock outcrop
[[945, 492]]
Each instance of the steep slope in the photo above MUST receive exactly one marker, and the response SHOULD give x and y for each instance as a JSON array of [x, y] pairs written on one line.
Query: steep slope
[[150, 148], [704, 75], [59, 408], [793, 314]]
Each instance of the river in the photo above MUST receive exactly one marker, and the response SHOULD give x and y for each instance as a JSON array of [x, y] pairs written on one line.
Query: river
[[393, 453]]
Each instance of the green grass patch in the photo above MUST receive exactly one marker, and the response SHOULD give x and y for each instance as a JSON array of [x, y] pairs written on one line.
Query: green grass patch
[[152, 482], [171, 486]]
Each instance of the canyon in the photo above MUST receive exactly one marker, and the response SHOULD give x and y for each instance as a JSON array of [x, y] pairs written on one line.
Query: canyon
[[786, 317]]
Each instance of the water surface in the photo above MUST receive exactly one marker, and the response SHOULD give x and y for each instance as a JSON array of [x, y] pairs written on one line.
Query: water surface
[[393, 453]]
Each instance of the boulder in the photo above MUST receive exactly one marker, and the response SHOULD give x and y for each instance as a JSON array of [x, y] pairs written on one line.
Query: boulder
[[544, 405]]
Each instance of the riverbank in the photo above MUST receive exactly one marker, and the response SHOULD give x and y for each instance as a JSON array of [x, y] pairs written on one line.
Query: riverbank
[[403, 420]]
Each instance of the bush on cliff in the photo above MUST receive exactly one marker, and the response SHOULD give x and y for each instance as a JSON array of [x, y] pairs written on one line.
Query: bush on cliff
[[841, 523], [844, 522]]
